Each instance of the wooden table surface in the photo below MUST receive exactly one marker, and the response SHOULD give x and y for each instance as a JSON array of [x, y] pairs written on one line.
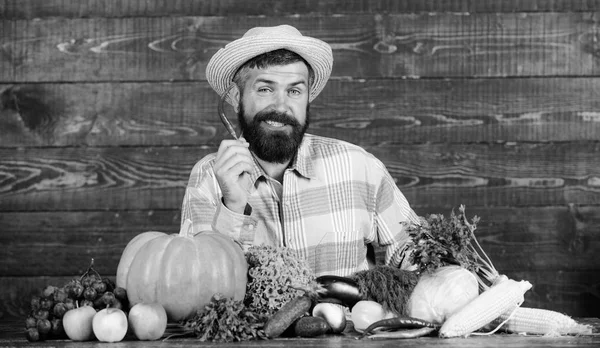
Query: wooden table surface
[[12, 335]]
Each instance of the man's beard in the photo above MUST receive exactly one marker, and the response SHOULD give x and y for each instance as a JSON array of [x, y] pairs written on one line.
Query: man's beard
[[273, 146]]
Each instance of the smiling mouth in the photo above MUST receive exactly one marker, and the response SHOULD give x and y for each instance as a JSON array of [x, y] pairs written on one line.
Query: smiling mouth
[[275, 124]]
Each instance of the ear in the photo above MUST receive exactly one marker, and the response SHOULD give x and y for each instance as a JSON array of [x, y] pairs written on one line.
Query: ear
[[234, 96]]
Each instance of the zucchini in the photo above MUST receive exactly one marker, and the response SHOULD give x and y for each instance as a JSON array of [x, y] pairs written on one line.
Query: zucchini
[[310, 326], [286, 315]]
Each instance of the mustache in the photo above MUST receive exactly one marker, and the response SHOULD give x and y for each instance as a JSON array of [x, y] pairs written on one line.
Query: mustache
[[275, 116]]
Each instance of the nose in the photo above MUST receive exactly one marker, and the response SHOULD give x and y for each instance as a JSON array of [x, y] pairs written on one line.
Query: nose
[[280, 102]]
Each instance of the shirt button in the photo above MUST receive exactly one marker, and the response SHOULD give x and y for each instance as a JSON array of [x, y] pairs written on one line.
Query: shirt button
[[250, 227]]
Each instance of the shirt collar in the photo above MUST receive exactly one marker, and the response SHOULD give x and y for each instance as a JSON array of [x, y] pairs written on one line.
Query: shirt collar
[[303, 164]]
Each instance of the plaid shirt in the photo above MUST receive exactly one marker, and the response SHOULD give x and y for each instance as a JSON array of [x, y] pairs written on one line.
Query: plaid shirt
[[335, 199]]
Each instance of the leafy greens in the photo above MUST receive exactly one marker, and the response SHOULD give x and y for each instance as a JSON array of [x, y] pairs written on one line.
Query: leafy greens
[[439, 241]]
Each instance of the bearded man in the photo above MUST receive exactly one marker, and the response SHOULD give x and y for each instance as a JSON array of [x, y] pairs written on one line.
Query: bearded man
[[327, 199]]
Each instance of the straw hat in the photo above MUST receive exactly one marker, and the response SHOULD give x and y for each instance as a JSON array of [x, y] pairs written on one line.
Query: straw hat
[[223, 65]]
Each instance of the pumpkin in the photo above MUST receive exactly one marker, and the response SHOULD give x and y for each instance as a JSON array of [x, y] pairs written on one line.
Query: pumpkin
[[182, 271]]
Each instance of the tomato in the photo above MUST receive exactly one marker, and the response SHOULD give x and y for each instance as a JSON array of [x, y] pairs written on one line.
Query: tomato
[[148, 320]]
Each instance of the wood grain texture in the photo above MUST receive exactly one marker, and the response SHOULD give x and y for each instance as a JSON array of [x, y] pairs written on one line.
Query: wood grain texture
[[104, 109], [495, 175], [574, 292], [365, 112], [139, 8], [95, 178], [63, 179], [375, 45], [109, 114], [62, 244]]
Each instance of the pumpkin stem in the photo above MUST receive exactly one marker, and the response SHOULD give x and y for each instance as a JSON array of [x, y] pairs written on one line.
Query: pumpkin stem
[[187, 229]]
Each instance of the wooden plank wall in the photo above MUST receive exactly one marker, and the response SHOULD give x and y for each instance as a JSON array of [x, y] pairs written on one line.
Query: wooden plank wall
[[104, 108]]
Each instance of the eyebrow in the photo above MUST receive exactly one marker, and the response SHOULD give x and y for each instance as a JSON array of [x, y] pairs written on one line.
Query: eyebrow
[[271, 82]]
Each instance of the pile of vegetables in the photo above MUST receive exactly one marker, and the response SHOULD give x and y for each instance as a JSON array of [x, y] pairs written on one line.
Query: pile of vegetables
[[438, 243], [452, 265], [281, 290], [455, 290], [458, 290], [274, 276]]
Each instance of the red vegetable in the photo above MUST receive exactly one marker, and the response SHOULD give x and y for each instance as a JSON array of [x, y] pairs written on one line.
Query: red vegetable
[[411, 333], [399, 323]]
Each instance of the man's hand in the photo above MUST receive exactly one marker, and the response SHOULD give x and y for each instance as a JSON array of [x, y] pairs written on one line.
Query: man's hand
[[232, 165]]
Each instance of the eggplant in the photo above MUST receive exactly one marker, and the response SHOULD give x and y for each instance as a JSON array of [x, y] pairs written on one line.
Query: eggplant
[[340, 290]]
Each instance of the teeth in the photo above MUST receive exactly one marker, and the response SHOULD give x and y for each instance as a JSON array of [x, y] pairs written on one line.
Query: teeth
[[275, 124]]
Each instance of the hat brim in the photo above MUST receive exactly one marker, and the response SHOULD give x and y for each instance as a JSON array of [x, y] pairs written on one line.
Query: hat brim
[[223, 65]]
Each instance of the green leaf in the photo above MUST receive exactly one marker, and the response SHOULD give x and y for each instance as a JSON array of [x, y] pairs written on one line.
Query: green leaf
[[438, 240]]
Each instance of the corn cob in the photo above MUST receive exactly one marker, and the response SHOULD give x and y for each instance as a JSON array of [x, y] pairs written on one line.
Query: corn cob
[[538, 321], [489, 305]]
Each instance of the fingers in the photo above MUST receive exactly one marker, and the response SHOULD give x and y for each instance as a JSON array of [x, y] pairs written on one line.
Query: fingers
[[233, 168], [230, 146], [234, 156], [232, 163]]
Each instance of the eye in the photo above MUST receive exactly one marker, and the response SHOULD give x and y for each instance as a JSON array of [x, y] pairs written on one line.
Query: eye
[[263, 89], [295, 91]]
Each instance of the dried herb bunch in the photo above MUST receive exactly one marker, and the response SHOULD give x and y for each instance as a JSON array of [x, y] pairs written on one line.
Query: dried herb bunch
[[226, 320]]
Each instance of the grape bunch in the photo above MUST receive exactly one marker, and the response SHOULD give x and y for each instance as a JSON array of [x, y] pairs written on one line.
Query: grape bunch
[[48, 308]]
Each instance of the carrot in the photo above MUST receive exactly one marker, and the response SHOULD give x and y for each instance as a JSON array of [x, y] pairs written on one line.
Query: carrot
[[286, 315], [402, 322]]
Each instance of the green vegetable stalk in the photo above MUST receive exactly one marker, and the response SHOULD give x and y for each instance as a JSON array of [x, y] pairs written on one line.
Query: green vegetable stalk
[[225, 320], [439, 241]]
